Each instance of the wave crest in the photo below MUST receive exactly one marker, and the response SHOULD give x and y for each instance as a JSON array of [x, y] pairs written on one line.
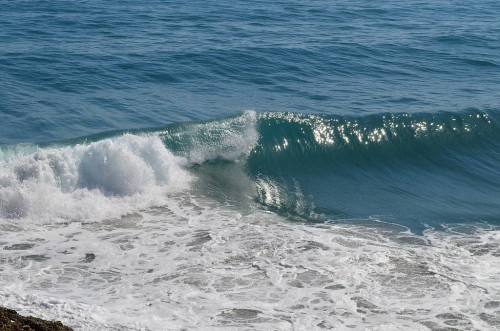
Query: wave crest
[[89, 181], [289, 139]]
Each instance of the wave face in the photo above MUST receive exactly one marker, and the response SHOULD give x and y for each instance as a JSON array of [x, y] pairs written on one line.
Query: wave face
[[412, 169], [437, 167]]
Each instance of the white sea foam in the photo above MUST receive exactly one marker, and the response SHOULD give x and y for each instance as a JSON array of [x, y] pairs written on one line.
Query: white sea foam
[[188, 265], [89, 181]]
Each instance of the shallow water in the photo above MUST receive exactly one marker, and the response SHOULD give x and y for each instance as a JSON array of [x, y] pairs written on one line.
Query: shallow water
[[189, 265]]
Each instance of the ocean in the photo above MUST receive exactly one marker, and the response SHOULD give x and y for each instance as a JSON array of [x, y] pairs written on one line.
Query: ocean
[[233, 165]]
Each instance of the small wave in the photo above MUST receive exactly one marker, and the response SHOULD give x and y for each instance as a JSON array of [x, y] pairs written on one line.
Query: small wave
[[300, 165], [481, 63]]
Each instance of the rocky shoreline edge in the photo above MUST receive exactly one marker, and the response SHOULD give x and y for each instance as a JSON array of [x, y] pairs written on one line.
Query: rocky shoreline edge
[[10, 320]]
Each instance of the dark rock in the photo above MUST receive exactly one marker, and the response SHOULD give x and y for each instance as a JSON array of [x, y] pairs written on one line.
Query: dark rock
[[10, 320]]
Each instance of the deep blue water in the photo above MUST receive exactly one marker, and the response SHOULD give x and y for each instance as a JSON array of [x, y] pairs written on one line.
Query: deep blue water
[[364, 109]]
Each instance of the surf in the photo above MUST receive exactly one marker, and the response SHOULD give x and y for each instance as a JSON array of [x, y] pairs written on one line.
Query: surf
[[407, 168]]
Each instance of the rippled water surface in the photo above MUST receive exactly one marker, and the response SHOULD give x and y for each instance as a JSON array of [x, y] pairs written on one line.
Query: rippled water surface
[[211, 165]]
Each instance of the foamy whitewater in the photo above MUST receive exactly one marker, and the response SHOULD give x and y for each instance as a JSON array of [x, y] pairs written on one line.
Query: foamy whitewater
[[232, 165]]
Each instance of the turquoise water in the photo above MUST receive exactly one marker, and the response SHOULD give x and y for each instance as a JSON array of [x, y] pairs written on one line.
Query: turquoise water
[[314, 114]]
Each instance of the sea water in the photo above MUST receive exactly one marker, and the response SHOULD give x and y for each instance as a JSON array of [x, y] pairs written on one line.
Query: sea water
[[208, 165]]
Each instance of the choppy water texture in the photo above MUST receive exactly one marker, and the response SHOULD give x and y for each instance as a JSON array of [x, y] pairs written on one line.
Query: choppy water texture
[[230, 165]]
